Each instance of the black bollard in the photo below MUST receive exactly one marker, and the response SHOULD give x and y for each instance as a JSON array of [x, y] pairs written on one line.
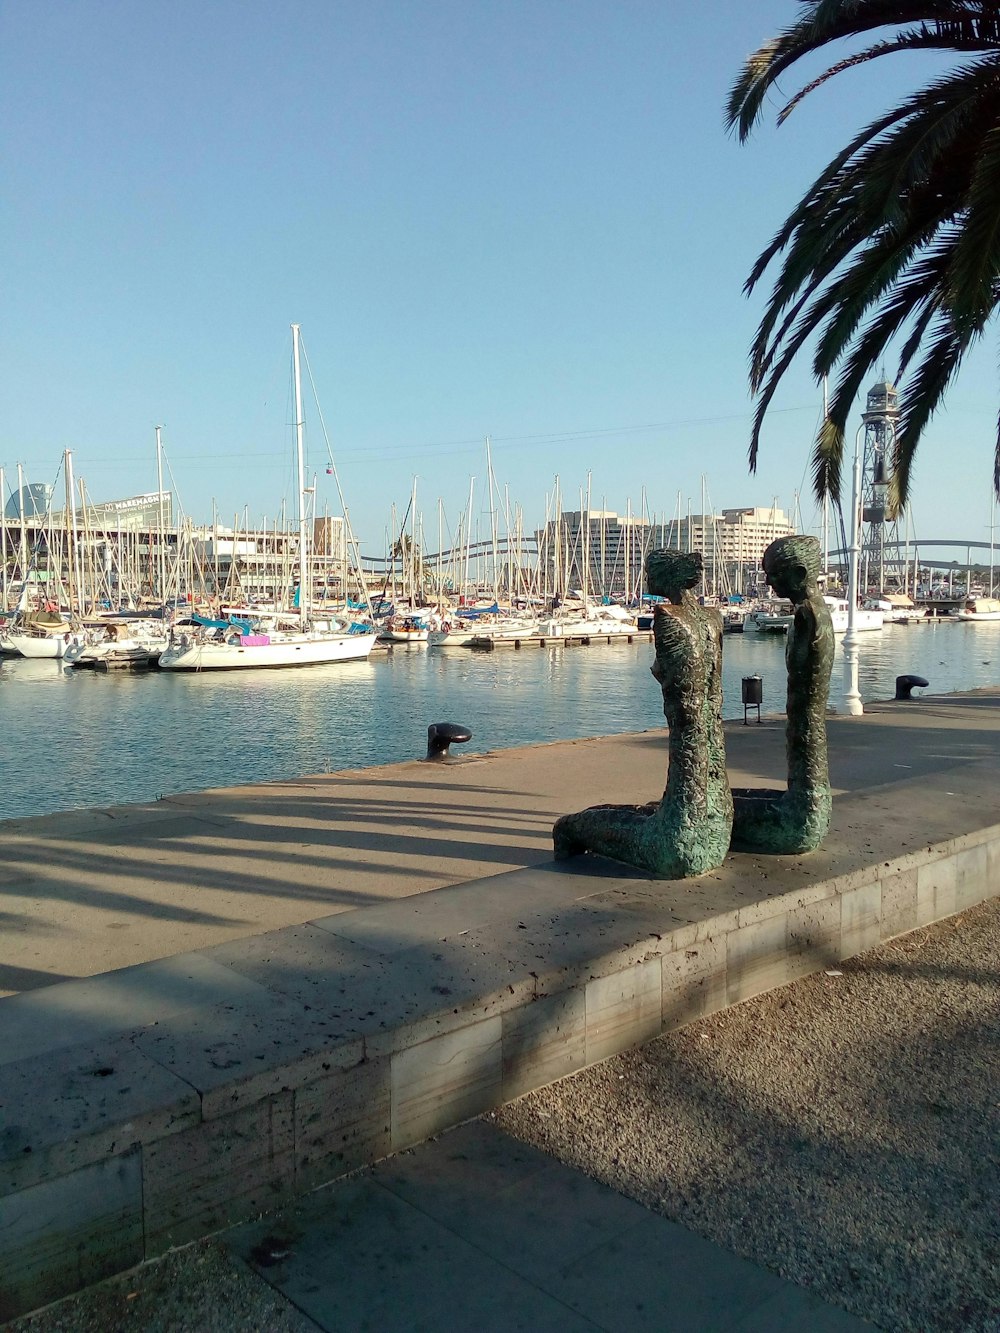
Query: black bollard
[[904, 684], [442, 734]]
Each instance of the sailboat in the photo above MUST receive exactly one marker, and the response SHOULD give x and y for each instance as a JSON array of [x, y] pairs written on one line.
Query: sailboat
[[240, 645]]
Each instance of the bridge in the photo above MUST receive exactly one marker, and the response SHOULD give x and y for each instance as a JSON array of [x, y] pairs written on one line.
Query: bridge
[[916, 547]]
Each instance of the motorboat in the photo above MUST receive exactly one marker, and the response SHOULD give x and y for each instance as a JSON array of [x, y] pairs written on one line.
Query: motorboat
[[867, 617], [899, 609], [120, 645], [772, 618], [466, 632], [405, 629], [979, 608], [583, 622]]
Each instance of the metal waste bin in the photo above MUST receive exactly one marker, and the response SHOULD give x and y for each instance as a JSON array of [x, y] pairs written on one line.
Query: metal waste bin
[[753, 695]]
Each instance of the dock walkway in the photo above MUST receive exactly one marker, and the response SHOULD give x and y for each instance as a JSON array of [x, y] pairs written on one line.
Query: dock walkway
[[309, 976]]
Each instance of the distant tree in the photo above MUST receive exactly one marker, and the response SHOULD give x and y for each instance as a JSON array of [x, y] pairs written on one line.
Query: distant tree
[[899, 236], [411, 560]]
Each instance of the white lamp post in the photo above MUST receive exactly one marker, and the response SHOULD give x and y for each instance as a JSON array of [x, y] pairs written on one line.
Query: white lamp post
[[852, 695]]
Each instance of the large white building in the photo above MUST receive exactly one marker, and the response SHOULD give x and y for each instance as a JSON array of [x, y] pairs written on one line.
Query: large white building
[[603, 552]]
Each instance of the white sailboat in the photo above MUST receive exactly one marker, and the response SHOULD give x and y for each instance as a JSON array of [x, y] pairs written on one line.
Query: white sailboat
[[40, 635], [222, 647]]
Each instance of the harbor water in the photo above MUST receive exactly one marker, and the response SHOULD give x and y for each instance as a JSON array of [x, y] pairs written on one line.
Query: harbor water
[[75, 738]]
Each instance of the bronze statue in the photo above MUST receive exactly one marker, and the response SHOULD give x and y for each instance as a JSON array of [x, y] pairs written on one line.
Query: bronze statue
[[797, 819], [687, 832]]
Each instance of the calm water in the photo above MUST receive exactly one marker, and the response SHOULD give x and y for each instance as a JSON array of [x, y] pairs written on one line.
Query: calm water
[[76, 738]]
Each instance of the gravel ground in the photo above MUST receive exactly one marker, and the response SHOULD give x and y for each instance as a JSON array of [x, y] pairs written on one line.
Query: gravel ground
[[841, 1131], [202, 1289]]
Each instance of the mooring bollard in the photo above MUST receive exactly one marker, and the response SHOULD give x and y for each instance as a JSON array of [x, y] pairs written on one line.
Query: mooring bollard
[[904, 684], [440, 735]]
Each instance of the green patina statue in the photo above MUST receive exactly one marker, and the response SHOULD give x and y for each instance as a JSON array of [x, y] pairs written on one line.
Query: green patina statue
[[688, 831], [797, 819]]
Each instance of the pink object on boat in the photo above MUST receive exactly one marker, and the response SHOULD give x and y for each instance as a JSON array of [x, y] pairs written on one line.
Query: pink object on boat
[[254, 640]]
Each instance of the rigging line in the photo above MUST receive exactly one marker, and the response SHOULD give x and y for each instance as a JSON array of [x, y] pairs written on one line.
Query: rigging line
[[322, 422], [175, 490], [352, 541], [449, 448], [476, 442]]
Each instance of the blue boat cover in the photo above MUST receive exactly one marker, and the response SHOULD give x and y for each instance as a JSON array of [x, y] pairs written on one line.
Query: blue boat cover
[[234, 622]]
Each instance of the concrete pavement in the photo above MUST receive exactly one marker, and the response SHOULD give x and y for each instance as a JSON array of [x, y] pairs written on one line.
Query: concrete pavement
[[89, 891], [476, 1230], [473, 1230], [148, 1106]]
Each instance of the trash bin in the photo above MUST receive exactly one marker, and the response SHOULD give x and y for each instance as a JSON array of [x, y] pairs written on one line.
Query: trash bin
[[753, 695]]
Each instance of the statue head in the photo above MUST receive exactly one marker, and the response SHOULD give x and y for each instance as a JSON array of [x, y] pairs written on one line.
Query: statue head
[[792, 566], [668, 573]]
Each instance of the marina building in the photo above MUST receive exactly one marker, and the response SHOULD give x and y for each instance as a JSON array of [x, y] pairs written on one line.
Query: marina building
[[132, 552], [602, 552]]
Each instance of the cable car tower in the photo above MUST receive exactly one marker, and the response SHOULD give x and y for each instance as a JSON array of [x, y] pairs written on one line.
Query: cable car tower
[[881, 567]]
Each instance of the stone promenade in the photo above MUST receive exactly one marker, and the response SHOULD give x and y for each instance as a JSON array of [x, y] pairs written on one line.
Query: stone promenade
[[219, 1001]]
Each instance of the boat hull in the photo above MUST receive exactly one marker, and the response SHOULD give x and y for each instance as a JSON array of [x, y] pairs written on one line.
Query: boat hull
[[865, 620], [138, 658], [299, 651], [37, 646], [763, 622], [405, 636]]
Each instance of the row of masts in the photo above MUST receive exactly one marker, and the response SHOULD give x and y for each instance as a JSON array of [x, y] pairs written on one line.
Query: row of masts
[[78, 561]]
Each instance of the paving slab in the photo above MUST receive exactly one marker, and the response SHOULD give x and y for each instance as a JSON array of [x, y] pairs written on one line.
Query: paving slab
[[317, 1045], [476, 1230], [91, 891], [74, 1013]]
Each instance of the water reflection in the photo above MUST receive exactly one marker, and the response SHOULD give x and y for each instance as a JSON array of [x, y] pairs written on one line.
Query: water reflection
[[78, 738]]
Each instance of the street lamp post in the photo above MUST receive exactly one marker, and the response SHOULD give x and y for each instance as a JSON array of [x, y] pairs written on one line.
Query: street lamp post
[[852, 694]]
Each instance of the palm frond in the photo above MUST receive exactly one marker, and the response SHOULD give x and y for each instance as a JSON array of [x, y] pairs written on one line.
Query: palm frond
[[899, 235], [958, 26], [921, 399], [975, 265]]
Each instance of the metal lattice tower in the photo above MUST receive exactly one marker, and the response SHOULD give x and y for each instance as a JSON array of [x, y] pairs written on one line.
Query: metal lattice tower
[[881, 567]]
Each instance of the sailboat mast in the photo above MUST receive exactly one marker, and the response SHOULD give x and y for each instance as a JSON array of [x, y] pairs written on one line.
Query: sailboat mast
[[160, 534], [3, 546], [300, 474], [73, 554], [24, 528]]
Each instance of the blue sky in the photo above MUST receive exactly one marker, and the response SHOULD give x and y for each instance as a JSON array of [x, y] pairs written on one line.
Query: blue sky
[[521, 219]]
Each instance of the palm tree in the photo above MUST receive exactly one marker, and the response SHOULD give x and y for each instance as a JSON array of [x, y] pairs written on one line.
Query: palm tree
[[899, 236], [411, 560]]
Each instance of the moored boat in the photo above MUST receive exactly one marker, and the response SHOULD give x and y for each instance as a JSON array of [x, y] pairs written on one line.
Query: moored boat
[[980, 609], [773, 618], [40, 634], [405, 629], [247, 644], [120, 645], [866, 618], [900, 609], [240, 647]]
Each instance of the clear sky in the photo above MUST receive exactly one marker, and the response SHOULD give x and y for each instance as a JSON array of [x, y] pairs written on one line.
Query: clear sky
[[520, 219]]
